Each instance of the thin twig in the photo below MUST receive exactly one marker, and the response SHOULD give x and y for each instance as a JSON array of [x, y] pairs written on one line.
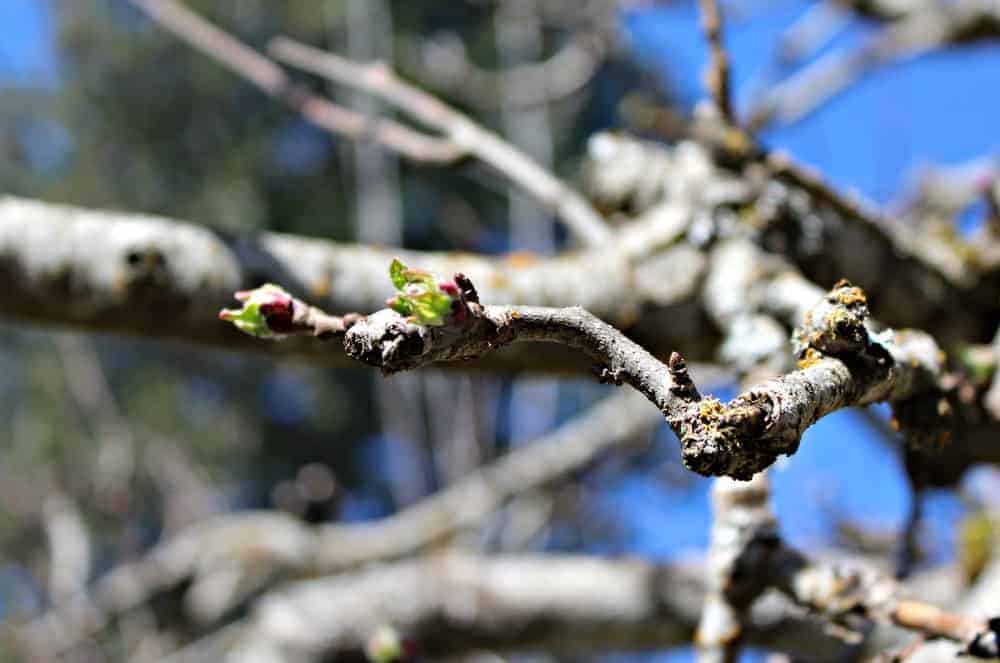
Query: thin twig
[[272, 80], [380, 81], [845, 595], [812, 31], [717, 74], [443, 64]]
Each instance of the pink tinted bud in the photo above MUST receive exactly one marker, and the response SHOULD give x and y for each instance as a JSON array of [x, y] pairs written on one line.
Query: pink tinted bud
[[267, 311], [278, 311], [450, 288]]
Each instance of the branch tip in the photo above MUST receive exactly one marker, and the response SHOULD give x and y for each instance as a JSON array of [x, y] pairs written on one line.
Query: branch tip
[[682, 385]]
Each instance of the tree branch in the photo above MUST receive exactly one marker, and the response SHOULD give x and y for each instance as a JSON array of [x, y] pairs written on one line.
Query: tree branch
[[463, 137], [841, 365], [272, 80], [452, 603], [844, 595], [853, 239], [443, 64], [156, 278], [747, 557], [257, 547], [743, 533], [380, 81]]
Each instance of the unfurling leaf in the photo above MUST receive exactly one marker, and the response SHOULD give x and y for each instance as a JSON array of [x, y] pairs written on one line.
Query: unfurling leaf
[[396, 269], [420, 295], [267, 311]]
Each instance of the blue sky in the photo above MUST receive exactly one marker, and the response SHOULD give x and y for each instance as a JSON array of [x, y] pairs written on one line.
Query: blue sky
[[940, 108], [26, 50]]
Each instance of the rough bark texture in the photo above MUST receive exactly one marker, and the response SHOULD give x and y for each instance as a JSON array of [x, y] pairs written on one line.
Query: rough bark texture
[[841, 365]]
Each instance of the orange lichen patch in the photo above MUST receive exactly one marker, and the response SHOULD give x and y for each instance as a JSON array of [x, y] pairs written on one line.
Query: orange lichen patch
[[521, 259], [710, 407], [515, 314], [842, 283], [848, 294], [811, 358], [837, 317]]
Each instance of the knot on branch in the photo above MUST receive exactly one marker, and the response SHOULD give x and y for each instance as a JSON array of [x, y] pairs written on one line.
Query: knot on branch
[[835, 326], [727, 440], [388, 340], [748, 434], [396, 343], [682, 385], [429, 320]]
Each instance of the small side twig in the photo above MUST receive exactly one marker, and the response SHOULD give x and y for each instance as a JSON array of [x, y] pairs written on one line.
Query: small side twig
[[850, 596], [717, 74], [561, 75]]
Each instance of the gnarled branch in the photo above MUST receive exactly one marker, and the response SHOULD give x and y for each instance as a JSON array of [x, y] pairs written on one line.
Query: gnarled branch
[[842, 364]]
